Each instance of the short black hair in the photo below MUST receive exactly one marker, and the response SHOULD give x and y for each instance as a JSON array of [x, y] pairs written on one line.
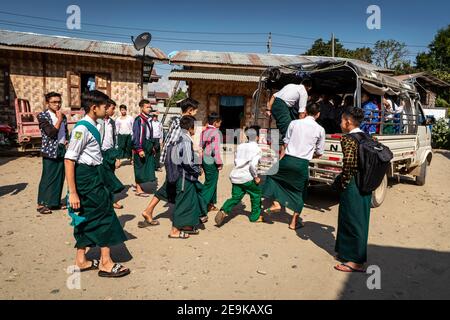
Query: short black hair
[[213, 117], [252, 132], [187, 122], [307, 83], [354, 113], [91, 98], [313, 109], [111, 102], [143, 102], [122, 106], [187, 104], [50, 95]]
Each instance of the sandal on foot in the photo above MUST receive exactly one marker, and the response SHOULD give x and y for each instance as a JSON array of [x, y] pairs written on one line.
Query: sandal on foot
[[44, 210], [269, 211], [181, 235], [145, 223], [204, 219], [193, 231], [94, 266], [115, 272], [117, 206], [349, 269], [297, 226], [220, 217]]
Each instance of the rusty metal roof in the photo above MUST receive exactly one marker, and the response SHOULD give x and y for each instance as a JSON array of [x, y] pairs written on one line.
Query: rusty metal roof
[[33, 40], [196, 75], [425, 76], [258, 60]]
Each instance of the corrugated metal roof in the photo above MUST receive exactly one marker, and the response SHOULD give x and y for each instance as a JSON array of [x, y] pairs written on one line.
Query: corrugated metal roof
[[194, 75], [33, 40], [427, 77], [262, 60]]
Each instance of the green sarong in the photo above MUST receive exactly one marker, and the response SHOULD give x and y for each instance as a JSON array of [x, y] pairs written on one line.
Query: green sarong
[[238, 192], [209, 192], [353, 224], [144, 168], [108, 168], [283, 115], [189, 205], [167, 192], [389, 127], [157, 146], [52, 180], [101, 227], [289, 185], [124, 145]]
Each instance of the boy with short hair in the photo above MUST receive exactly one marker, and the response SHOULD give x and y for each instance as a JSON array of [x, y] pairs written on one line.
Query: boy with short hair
[[188, 107], [110, 153], [143, 148], [210, 142], [189, 204], [53, 126], [96, 223], [124, 128], [244, 178]]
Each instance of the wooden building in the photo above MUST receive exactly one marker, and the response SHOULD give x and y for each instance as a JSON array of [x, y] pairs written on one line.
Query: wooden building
[[33, 64]]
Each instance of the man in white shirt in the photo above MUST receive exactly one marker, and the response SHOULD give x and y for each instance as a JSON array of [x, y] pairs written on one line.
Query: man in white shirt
[[244, 178], [124, 129], [96, 223], [305, 140], [289, 104], [157, 139]]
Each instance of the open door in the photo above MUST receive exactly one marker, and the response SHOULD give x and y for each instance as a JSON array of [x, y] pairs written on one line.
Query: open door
[[74, 89]]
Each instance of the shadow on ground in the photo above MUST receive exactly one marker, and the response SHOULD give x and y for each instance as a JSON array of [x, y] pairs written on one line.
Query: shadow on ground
[[12, 189]]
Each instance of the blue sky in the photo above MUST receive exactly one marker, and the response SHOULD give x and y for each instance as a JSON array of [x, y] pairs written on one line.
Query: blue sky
[[413, 22]]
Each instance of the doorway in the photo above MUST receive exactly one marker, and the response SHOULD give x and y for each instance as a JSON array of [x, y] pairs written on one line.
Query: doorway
[[231, 110]]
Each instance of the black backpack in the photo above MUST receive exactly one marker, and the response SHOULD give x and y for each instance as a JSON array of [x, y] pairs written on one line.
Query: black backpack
[[373, 162], [173, 170]]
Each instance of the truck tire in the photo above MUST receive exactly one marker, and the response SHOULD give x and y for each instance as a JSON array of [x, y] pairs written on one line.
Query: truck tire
[[380, 193], [420, 179]]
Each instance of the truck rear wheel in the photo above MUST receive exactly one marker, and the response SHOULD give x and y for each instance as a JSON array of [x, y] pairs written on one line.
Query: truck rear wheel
[[420, 179], [380, 193]]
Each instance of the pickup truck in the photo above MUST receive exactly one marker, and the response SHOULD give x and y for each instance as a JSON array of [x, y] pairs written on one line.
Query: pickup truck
[[411, 144]]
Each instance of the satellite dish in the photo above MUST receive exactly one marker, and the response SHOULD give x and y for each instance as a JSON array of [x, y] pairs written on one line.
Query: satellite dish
[[142, 40]]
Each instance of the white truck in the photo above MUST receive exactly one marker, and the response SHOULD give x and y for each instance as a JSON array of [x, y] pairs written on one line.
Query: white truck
[[411, 144]]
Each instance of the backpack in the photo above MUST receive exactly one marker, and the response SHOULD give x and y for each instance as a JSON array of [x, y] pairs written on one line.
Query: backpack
[[373, 162], [173, 171]]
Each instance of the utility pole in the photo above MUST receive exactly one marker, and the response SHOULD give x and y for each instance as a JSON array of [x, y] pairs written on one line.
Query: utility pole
[[269, 43], [332, 45]]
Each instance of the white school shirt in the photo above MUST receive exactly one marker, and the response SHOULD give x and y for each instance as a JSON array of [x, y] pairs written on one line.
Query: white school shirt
[[124, 126], [294, 95], [245, 163], [62, 128], [157, 130], [304, 138], [83, 148], [106, 132], [356, 130]]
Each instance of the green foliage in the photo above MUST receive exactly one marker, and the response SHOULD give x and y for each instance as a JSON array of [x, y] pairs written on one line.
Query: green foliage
[[179, 95], [322, 48], [441, 135], [438, 59], [389, 53], [441, 103]]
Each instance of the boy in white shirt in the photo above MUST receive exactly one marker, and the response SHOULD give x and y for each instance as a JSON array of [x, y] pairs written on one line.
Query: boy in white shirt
[[244, 178], [124, 128]]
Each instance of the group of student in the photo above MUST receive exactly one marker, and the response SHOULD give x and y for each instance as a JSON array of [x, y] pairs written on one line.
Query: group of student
[[89, 157]]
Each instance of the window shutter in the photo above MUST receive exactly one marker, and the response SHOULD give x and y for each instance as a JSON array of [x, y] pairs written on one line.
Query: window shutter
[[74, 90], [103, 83]]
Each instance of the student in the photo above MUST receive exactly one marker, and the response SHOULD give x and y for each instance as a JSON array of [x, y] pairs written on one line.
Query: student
[[124, 129], [157, 139], [354, 206], [96, 223], [305, 140], [244, 178], [210, 142], [188, 107], [288, 104], [369, 125], [143, 148], [53, 126], [189, 204], [326, 119], [111, 162]]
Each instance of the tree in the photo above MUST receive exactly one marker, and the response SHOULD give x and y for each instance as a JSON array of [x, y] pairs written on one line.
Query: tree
[[389, 53], [179, 95], [439, 56], [322, 48]]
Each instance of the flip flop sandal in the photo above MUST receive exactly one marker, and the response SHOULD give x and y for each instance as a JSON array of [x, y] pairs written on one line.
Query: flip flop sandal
[[115, 272], [220, 217], [349, 267], [94, 266], [44, 210], [194, 231], [142, 194], [181, 235], [145, 223], [269, 211]]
